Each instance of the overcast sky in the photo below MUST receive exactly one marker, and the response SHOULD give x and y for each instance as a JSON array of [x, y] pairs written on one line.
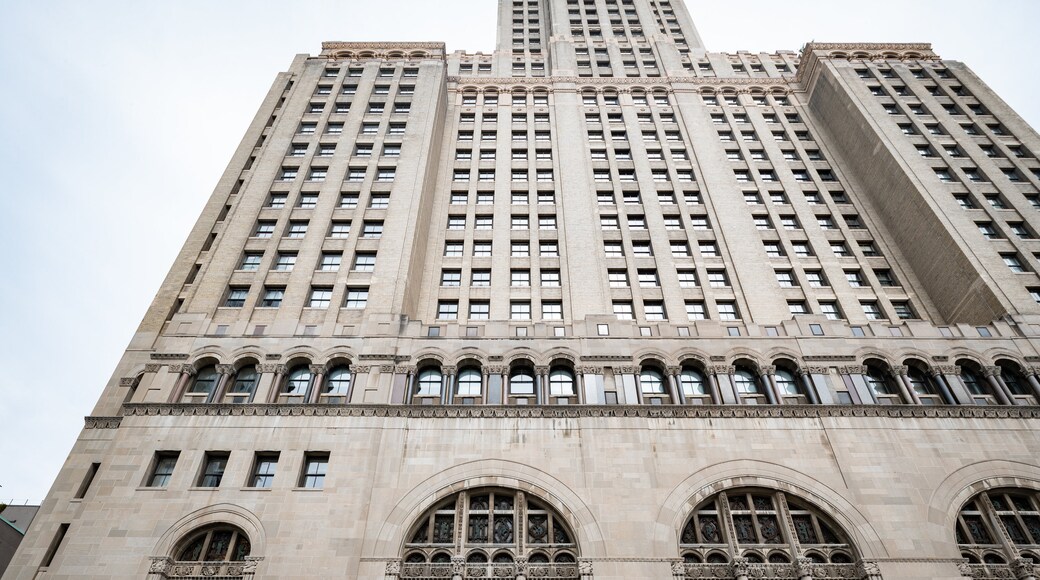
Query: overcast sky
[[117, 118]]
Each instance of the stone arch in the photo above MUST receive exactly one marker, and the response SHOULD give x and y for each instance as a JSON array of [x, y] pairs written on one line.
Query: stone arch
[[246, 359], [221, 513], [391, 537], [959, 486], [437, 355], [652, 354], [207, 356], [693, 356], [469, 354], [736, 356], [521, 354], [679, 504], [560, 354], [992, 355], [863, 354], [301, 351], [336, 352]]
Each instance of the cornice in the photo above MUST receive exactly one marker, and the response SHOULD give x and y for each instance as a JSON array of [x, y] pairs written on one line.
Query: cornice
[[576, 411], [506, 83], [101, 422], [338, 45]]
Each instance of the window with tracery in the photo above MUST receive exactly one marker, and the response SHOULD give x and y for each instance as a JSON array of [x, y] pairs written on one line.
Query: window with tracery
[[220, 551], [764, 526], [489, 529], [1000, 525]]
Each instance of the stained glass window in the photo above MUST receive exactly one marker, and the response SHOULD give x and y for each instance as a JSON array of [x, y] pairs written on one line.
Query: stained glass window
[[1016, 510]]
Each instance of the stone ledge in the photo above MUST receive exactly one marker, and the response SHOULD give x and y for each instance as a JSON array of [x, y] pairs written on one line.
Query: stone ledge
[[567, 412]]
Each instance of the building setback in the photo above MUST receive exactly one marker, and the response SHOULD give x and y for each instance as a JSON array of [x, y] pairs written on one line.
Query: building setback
[[600, 304]]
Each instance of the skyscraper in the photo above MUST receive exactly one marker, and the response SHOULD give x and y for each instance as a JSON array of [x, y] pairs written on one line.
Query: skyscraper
[[601, 304]]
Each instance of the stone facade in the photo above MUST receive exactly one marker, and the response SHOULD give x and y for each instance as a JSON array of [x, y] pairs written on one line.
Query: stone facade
[[601, 304]]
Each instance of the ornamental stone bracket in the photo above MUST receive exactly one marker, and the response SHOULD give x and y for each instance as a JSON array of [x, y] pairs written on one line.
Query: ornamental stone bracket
[[567, 412]]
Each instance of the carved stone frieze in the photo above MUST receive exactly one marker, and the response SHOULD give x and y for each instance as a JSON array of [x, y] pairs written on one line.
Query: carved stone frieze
[[579, 411], [541, 369], [946, 369], [362, 369], [722, 369], [589, 370], [449, 369], [152, 367], [991, 371], [627, 370], [389, 369], [816, 370], [168, 356], [272, 368], [393, 567], [899, 369], [404, 369], [226, 369], [128, 382], [317, 369], [767, 369], [102, 422], [673, 370], [853, 370]]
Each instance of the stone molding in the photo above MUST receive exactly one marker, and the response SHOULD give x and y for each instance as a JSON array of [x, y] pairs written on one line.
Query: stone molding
[[101, 422], [337, 45], [574, 411], [152, 367], [168, 356]]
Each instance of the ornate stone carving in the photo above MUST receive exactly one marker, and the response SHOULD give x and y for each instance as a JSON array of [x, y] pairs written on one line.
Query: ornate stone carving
[[803, 567], [740, 567], [168, 356], [389, 369], [868, 570], [183, 369], [589, 370], [585, 567], [272, 368], [853, 370], [945, 370], [576, 411], [521, 564], [160, 565], [678, 568], [541, 369], [816, 370], [128, 382], [226, 369], [1031, 371], [318, 369], [673, 370], [991, 371], [404, 369], [102, 422], [1023, 568], [458, 565], [767, 370], [449, 369], [362, 369], [899, 369], [393, 567], [722, 369], [627, 370], [152, 367]]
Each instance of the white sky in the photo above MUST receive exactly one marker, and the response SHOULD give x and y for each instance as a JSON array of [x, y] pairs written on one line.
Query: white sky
[[117, 118]]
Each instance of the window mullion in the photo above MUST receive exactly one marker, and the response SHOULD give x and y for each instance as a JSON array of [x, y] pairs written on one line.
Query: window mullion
[[520, 523], [997, 526], [461, 521], [784, 514], [727, 519]]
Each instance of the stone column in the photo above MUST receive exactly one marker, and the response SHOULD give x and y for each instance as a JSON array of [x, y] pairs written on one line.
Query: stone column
[[993, 376], [678, 570], [186, 372], [765, 374], [803, 569], [940, 381], [678, 397], [458, 567], [807, 384], [713, 381], [226, 372], [393, 570], [448, 385], [741, 568], [899, 371], [270, 377], [541, 384], [409, 386], [317, 376], [1031, 373], [1024, 569], [868, 570]]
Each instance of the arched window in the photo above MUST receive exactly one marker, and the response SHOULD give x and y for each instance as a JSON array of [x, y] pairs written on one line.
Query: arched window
[[297, 385], [202, 388], [217, 549], [1017, 383], [496, 527], [923, 386], [693, 383], [745, 382], [521, 382], [1017, 511], [469, 382], [337, 385], [786, 382], [976, 385], [768, 526], [881, 384], [243, 386], [430, 381], [561, 382], [651, 382]]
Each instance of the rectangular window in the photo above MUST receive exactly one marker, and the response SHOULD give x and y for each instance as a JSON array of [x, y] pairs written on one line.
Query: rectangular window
[[356, 297], [339, 230], [372, 229], [315, 467], [448, 310], [552, 310], [623, 310], [478, 278], [695, 310], [519, 310], [479, 310], [285, 262], [251, 261], [321, 297], [728, 311], [654, 310], [213, 469], [297, 229], [872, 310], [264, 229], [263, 470], [364, 262], [236, 297], [550, 278], [273, 296], [162, 471], [481, 248]]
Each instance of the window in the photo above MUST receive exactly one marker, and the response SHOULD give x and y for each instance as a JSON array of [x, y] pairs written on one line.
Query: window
[[872, 310], [264, 229], [364, 262], [308, 200], [718, 279], [321, 297], [456, 222], [272, 297], [339, 230], [1017, 513], [385, 174], [482, 222], [552, 310], [547, 222], [478, 278], [277, 200], [479, 310], [236, 297], [797, 307], [550, 278], [520, 278], [786, 279], [356, 298], [447, 310], [1013, 262], [679, 249], [840, 249], [520, 250], [213, 469], [519, 222], [297, 229], [519, 310], [315, 467], [162, 470], [728, 311], [348, 201], [623, 310], [481, 248], [830, 310], [654, 310], [263, 470], [285, 262], [613, 249], [251, 261]]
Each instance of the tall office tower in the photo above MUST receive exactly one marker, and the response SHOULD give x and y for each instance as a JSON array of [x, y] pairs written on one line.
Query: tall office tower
[[601, 304]]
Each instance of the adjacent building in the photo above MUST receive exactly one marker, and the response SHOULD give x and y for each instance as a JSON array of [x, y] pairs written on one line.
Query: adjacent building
[[599, 304]]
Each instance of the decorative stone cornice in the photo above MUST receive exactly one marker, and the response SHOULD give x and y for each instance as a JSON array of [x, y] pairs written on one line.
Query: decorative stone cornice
[[580, 411], [338, 45], [101, 422], [168, 356], [816, 370]]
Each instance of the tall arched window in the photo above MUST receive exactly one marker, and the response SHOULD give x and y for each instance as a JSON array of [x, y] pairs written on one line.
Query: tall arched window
[[203, 387], [469, 382], [923, 386], [746, 384], [430, 381], [243, 386], [337, 385], [977, 386], [651, 382], [787, 384], [879, 381], [521, 382], [1016, 511], [297, 385], [490, 528], [1017, 383], [217, 551], [694, 386], [768, 526], [561, 382]]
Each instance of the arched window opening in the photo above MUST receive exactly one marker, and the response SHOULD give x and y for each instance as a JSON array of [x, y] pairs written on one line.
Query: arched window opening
[[748, 388], [297, 385], [561, 383], [977, 385], [652, 386], [789, 387], [469, 386], [521, 385], [694, 385], [218, 551], [428, 386], [923, 386], [243, 386], [203, 387], [768, 526], [882, 384], [337, 386], [1021, 391], [504, 523], [1016, 511]]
